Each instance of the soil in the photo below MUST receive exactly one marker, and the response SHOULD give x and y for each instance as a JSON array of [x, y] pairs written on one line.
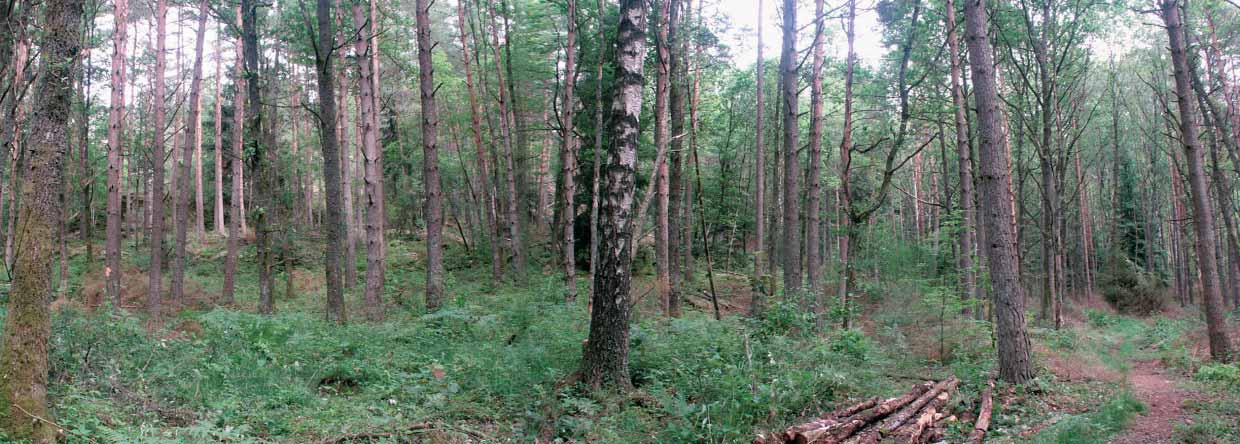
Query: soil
[[1159, 390]]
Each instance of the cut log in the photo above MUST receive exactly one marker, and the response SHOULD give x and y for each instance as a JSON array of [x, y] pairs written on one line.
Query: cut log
[[829, 419], [835, 433], [983, 415], [899, 418]]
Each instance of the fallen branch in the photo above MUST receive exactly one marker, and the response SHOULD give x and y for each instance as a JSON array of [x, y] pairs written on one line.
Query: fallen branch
[[836, 432], [983, 415], [394, 433]]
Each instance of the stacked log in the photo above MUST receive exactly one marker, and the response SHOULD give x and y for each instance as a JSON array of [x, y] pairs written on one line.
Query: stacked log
[[983, 415], [914, 417]]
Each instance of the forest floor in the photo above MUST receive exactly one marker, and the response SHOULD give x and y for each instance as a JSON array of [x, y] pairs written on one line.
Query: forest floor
[[487, 367]]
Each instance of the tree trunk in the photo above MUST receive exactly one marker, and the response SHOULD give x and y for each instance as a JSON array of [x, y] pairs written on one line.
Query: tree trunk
[[813, 262], [179, 258], [156, 205], [236, 215], [116, 127], [759, 282], [568, 158], [1203, 221], [844, 199], [333, 219], [996, 200], [507, 120], [605, 359], [965, 241], [598, 147], [484, 170], [430, 151], [661, 135], [677, 222], [372, 155], [219, 140], [788, 71], [27, 328]]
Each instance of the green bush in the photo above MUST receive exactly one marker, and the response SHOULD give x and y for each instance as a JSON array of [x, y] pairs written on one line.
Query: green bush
[[1128, 288]]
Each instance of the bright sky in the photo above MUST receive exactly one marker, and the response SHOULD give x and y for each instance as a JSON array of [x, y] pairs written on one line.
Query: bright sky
[[744, 17]]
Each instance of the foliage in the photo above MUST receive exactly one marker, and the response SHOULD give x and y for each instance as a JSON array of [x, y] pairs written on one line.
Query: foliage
[[1129, 289], [1095, 426]]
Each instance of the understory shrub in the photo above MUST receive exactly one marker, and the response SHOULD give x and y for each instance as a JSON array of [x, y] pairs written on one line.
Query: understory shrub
[[1128, 288]]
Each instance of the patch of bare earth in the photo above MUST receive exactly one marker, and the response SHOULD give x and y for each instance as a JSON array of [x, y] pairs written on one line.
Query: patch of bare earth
[[1158, 389]]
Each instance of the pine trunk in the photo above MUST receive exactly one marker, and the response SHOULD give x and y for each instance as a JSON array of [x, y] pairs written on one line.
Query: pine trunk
[[430, 152], [333, 219]]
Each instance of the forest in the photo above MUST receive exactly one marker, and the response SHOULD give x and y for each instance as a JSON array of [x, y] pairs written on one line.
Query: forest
[[620, 221]]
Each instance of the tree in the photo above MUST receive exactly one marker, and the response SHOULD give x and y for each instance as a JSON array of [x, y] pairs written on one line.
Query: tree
[[755, 303], [788, 72], [812, 261], [568, 157], [430, 154], [1203, 213], [661, 135], [372, 155], [236, 223], [333, 219], [260, 153], [116, 127], [484, 171], [605, 360], [219, 140], [156, 266], [27, 328], [964, 153], [187, 157], [996, 203], [507, 121]]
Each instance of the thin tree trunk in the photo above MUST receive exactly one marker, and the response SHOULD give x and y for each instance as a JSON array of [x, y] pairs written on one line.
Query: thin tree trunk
[[484, 170], [661, 135], [333, 219], [813, 262], [964, 152], [788, 72], [236, 227], [676, 204], [760, 285], [27, 329], [604, 359], [568, 158], [219, 139], [156, 205], [844, 199], [179, 258], [598, 147], [430, 151], [507, 120], [116, 127]]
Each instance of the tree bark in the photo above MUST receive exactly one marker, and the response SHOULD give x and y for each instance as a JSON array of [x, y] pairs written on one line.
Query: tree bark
[[788, 72], [759, 282], [605, 360], [156, 206], [192, 138], [843, 193], [507, 120], [236, 228], [372, 155], [598, 146], [568, 158], [27, 328], [116, 127], [1203, 219], [333, 219], [661, 135], [996, 200], [813, 262], [219, 139], [964, 152], [430, 151]]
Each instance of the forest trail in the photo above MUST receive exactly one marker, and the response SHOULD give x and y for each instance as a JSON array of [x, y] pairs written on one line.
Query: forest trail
[[1160, 391]]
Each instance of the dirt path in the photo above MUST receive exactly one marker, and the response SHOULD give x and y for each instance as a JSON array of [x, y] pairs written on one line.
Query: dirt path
[[1164, 400]]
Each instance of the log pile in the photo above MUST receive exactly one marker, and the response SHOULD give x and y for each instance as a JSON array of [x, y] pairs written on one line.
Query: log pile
[[917, 416]]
